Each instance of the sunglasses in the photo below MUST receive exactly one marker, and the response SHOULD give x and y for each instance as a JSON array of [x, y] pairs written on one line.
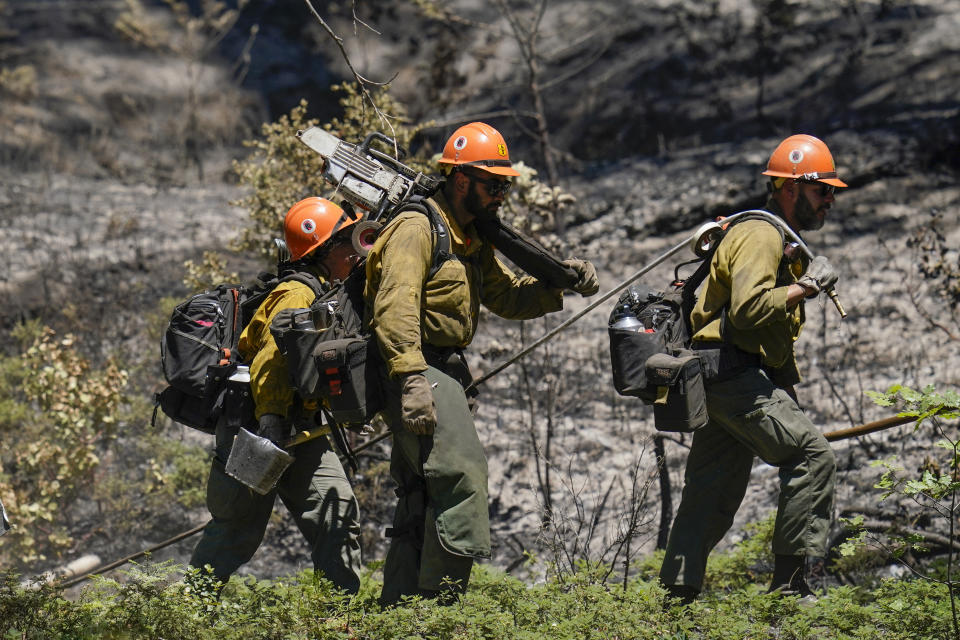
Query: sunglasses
[[493, 186], [824, 189]]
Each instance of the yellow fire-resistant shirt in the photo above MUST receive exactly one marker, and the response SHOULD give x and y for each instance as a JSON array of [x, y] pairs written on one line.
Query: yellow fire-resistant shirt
[[746, 274], [269, 380], [406, 311]]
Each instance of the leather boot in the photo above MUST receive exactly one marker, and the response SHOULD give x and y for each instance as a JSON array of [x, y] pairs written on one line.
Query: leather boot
[[789, 577]]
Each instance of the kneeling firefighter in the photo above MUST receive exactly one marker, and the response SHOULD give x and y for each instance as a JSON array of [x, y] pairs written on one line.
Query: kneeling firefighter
[[423, 312], [314, 488], [746, 320]]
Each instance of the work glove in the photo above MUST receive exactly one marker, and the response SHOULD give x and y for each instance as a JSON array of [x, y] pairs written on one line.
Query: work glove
[[588, 284], [820, 276], [417, 409], [273, 427]]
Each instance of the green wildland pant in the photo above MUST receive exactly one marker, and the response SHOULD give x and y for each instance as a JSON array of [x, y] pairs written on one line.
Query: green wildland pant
[[442, 520], [315, 490], [750, 416]]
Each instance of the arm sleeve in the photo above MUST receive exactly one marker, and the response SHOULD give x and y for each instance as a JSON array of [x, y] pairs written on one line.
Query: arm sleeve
[[269, 378], [513, 297], [752, 259], [405, 262]]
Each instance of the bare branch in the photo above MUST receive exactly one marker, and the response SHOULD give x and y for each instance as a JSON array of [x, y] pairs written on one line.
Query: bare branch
[[356, 19], [361, 81]]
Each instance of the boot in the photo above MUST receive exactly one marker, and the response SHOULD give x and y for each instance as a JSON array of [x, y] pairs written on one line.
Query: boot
[[684, 594], [789, 577]]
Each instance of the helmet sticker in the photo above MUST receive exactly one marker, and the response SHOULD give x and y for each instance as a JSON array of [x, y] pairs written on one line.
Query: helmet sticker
[[308, 225], [796, 156], [502, 149], [460, 143]]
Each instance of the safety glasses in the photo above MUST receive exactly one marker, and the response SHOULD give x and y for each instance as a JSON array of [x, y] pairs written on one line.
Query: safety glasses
[[495, 188], [824, 190]]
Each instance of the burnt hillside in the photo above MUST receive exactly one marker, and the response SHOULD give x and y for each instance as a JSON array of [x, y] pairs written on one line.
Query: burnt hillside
[[115, 167]]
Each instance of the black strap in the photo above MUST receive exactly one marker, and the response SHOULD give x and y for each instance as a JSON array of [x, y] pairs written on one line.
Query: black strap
[[304, 277], [340, 440], [688, 287], [441, 245]]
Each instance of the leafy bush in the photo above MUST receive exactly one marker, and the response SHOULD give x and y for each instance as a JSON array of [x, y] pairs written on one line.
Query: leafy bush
[[150, 602], [59, 417], [934, 489], [746, 562]]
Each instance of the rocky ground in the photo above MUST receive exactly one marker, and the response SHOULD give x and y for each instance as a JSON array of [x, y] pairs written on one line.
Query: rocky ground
[[106, 187]]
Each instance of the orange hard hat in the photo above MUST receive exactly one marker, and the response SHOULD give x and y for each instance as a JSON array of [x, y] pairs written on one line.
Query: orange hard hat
[[478, 145], [805, 158], [310, 223]]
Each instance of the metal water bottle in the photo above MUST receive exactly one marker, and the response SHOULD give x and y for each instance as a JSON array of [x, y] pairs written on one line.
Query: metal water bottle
[[626, 319]]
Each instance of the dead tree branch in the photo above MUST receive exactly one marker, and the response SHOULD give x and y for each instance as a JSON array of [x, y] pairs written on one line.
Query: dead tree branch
[[361, 81]]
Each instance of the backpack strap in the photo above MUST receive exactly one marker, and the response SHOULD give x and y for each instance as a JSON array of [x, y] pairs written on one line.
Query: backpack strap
[[307, 278], [705, 268], [441, 245]]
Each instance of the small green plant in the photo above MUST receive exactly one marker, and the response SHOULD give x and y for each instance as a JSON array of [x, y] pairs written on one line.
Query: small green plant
[[746, 562], [933, 488], [51, 454], [152, 601]]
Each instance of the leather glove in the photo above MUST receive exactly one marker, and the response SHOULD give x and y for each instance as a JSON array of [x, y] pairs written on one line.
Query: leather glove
[[273, 427], [820, 276], [588, 284], [417, 409]]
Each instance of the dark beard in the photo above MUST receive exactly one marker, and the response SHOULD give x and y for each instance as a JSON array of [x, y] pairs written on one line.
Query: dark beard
[[806, 215], [473, 207]]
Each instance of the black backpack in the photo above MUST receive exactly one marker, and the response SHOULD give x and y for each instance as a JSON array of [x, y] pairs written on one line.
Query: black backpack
[[199, 353], [650, 339], [331, 354]]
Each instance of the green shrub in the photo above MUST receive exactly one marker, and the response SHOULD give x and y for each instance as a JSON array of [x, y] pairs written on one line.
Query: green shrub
[[748, 562], [152, 602], [59, 419]]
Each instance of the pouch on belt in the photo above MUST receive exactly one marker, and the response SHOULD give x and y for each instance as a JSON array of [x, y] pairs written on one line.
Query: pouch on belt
[[681, 400]]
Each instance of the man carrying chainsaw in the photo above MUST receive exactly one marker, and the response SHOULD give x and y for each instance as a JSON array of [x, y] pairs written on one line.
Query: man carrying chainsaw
[[314, 488], [747, 316], [423, 312]]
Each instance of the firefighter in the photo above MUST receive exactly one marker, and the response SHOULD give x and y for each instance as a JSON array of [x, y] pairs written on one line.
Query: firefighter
[[422, 320], [314, 488], [746, 319]]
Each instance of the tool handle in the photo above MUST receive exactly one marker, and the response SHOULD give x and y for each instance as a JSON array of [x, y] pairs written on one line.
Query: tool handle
[[836, 302], [304, 436]]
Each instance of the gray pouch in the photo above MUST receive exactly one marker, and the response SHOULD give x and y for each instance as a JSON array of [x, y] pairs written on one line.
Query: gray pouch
[[340, 371], [681, 401], [293, 331]]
